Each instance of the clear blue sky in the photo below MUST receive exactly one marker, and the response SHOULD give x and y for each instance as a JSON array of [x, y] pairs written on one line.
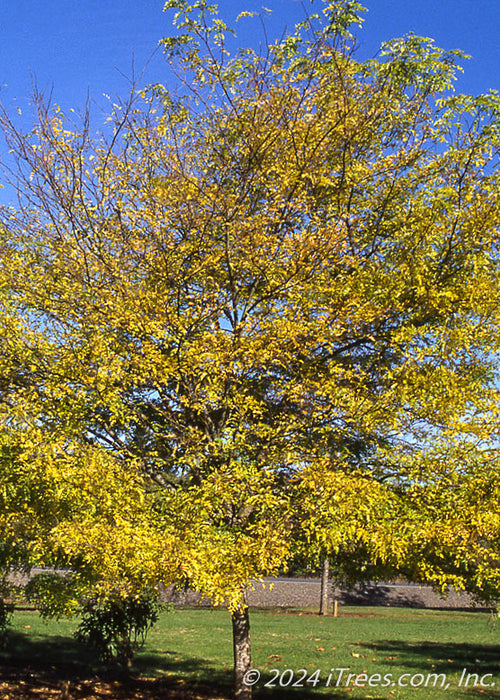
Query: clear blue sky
[[76, 46]]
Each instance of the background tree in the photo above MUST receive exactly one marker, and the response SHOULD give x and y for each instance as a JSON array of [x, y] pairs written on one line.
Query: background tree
[[295, 252]]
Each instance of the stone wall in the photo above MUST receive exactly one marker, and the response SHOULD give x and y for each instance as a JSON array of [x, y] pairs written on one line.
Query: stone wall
[[305, 593]]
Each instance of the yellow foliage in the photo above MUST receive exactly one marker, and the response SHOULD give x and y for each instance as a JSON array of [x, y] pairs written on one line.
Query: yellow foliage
[[247, 320]]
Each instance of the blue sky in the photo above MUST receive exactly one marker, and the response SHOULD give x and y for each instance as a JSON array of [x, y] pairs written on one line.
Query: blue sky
[[80, 46]]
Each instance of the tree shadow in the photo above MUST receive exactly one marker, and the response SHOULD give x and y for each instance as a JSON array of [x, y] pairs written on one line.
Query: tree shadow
[[198, 670], [378, 596], [47, 667], [308, 694], [60, 666], [450, 658], [191, 670], [405, 596], [61, 655]]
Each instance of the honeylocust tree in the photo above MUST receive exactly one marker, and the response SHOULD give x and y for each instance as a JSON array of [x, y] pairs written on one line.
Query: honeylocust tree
[[250, 275]]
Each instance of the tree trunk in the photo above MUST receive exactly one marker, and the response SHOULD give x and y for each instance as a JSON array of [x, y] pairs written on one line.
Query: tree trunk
[[325, 580], [242, 655]]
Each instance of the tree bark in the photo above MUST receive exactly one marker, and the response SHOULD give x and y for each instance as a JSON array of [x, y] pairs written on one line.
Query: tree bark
[[325, 580], [242, 654]]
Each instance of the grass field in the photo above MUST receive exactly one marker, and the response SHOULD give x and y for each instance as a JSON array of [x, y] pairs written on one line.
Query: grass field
[[391, 652]]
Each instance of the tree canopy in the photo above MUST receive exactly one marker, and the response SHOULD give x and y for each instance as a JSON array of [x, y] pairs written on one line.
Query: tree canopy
[[270, 291]]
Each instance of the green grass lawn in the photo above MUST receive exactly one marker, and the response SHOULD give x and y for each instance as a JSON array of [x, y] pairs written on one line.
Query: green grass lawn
[[195, 645]]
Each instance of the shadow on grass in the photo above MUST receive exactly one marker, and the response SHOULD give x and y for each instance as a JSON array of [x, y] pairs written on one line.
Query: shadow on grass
[[449, 658], [307, 694], [168, 667], [61, 667], [197, 671], [58, 654], [52, 666]]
